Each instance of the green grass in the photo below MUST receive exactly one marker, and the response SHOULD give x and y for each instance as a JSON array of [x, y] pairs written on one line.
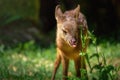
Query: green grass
[[30, 62], [25, 62]]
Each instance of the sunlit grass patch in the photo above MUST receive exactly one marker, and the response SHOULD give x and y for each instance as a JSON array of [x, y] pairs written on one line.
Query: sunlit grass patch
[[24, 62], [29, 61]]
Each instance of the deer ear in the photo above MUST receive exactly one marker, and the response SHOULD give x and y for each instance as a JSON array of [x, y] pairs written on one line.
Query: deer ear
[[58, 13], [77, 11]]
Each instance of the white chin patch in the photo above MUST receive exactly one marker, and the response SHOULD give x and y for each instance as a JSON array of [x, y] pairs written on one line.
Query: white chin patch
[[74, 45]]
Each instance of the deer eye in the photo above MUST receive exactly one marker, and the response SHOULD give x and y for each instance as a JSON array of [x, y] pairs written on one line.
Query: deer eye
[[65, 32]]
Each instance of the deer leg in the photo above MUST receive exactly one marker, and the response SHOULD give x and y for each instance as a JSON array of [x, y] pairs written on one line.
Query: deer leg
[[80, 64], [77, 66], [65, 64], [56, 66]]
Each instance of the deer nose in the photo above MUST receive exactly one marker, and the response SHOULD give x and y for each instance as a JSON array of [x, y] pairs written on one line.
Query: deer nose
[[73, 41]]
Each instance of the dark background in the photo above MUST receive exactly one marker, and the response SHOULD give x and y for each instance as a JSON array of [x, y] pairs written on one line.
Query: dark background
[[21, 21]]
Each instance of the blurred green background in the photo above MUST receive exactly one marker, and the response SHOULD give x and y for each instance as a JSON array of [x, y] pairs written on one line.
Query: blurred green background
[[26, 20], [28, 30]]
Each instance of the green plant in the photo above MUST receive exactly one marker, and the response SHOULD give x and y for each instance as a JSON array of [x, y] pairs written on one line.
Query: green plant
[[100, 70]]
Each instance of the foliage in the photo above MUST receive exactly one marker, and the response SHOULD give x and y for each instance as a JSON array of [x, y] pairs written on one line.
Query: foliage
[[15, 9], [25, 62], [100, 70], [29, 61]]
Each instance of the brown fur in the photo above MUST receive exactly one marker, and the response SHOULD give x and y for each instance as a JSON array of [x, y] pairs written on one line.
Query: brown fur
[[68, 40]]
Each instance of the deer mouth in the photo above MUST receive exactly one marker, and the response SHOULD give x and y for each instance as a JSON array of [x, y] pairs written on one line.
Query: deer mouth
[[74, 46], [73, 43]]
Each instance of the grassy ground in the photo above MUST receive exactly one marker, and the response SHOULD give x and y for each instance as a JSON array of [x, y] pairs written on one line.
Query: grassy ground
[[30, 62]]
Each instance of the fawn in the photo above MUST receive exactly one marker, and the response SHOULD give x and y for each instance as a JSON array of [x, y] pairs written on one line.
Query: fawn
[[68, 40]]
